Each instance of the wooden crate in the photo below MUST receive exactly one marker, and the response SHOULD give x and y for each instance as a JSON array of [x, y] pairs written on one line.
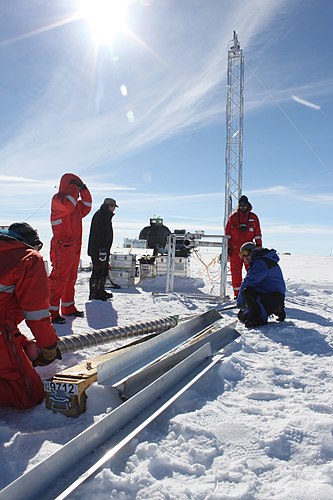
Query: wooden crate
[[65, 391]]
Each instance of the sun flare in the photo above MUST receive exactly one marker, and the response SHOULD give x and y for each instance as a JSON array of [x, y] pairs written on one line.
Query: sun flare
[[106, 18]]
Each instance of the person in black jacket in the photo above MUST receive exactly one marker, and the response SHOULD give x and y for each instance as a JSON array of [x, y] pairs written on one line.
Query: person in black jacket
[[99, 247]]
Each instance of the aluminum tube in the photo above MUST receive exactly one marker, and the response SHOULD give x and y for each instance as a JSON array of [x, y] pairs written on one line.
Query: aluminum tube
[[79, 341], [210, 236], [208, 244]]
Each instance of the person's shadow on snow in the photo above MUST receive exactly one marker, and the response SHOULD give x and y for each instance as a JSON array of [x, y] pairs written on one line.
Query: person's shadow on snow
[[308, 316], [101, 314], [305, 340]]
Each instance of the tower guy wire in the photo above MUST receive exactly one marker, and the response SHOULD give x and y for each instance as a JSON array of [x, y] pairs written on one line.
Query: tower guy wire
[[292, 123]]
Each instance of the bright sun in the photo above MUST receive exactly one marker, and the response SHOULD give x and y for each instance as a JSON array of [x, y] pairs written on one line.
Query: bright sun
[[106, 18]]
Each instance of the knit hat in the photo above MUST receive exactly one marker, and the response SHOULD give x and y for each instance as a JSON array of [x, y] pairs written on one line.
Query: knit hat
[[243, 200], [26, 233], [246, 249]]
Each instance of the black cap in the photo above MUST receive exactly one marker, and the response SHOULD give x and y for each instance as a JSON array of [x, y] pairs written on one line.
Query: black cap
[[26, 233], [243, 200], [110, 201]]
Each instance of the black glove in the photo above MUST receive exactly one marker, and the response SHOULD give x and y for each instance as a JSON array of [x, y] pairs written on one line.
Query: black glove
[[242, 315], [78, 183], [102, 255], [47, 355], [229, 251]]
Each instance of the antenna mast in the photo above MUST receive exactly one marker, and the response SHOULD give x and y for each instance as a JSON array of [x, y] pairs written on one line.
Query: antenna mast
[[234, 127], [234, 142]]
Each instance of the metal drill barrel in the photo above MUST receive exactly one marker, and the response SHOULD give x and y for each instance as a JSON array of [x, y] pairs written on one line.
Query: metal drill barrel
[[79, 341]]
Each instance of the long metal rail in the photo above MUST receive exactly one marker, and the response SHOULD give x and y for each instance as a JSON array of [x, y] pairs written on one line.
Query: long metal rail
[[48, 478], [157, 409]]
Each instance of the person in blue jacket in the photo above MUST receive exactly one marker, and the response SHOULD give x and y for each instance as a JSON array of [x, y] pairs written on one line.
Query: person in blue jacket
[[263, 289]]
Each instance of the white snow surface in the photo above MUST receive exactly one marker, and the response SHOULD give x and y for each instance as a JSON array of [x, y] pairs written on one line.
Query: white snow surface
[[259, 425]]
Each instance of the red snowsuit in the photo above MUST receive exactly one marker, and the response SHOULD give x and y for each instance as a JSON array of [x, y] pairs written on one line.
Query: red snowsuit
[[241, 227], [24, 294], [67, 212]]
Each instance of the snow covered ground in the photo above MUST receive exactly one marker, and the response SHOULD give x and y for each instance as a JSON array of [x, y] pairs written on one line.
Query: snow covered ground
[[259, 425]]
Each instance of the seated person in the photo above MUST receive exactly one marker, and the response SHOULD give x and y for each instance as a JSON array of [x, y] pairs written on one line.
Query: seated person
[[263, 289], [156, 235]]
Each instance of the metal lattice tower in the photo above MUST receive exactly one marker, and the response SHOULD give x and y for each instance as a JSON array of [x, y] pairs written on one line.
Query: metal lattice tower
[[234, 127], [234, 143]]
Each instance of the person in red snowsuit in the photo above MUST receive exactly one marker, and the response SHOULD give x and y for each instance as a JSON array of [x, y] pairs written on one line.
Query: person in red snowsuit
[[69, 206], [242, 226], [24, 294]]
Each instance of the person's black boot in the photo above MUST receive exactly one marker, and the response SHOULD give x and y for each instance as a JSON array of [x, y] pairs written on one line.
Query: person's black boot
[[94, 289], [253, 323], [281, 316], [107, 295], [76, 314], [98, 290], [58, 320]]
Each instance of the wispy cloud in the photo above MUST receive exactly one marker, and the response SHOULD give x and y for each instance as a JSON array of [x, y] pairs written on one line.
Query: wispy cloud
[[63, 130], [299, 229], [13, 179], [305, 103], [295, 193], [263, 96], [68, 112]]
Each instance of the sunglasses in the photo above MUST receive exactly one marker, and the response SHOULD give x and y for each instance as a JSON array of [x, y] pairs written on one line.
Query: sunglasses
[[244, 254]]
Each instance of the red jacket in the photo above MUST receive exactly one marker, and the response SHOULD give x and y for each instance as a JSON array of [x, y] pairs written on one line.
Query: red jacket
[[67, 211], [24, 291], [242, 227]]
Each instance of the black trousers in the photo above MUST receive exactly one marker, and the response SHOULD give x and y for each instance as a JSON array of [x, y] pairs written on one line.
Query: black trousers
[[99, 269], [273, 302]]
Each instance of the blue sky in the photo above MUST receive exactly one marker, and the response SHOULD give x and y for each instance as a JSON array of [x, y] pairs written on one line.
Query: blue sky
[[141, 118]]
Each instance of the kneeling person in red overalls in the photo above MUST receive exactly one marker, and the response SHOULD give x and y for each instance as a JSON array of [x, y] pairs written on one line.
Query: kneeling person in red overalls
[[24, 294]]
